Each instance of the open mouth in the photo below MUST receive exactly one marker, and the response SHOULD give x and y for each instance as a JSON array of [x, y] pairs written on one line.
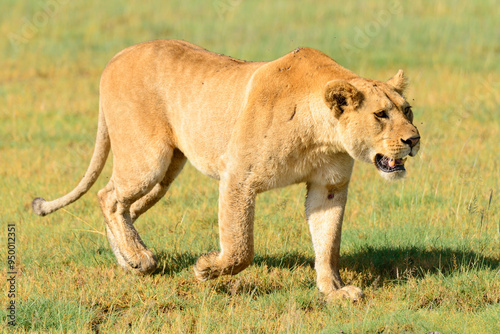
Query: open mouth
[[389, 165]]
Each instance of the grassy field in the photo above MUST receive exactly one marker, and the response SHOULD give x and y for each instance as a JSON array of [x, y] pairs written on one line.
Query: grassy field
[[425, 250]]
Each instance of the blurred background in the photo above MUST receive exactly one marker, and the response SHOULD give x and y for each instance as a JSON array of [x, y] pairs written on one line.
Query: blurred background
[[443, 219]]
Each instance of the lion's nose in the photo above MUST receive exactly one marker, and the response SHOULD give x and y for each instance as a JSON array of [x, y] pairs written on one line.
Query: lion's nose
[[412, 141]]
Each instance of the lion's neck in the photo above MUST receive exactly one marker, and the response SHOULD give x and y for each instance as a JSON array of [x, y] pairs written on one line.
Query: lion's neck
[[323, 134]]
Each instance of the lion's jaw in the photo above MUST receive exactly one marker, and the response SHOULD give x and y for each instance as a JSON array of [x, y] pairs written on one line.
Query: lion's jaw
[[391, 164], [388, 156]]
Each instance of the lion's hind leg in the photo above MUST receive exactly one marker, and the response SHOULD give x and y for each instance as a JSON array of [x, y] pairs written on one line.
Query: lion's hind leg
[[160, 189], [131, 180], [126, 243]]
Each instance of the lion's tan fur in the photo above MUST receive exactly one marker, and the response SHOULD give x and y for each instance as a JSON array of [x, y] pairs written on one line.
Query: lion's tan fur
[[252, 125]]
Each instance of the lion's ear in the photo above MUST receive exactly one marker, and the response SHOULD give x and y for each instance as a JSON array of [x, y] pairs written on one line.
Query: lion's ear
[[339, 94], [399, 82]]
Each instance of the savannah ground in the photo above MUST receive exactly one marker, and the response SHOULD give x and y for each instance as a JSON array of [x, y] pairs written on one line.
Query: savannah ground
[[425, 250]]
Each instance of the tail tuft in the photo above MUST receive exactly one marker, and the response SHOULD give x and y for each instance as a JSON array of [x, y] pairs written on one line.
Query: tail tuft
[[37, 206]]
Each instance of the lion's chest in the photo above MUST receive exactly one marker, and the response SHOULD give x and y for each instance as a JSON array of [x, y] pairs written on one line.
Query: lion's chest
[[324, 169]]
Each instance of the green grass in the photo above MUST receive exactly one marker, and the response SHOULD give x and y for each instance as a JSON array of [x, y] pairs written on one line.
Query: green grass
[[425, 250]]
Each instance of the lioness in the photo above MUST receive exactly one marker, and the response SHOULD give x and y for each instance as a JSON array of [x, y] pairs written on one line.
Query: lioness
[[252, 125]]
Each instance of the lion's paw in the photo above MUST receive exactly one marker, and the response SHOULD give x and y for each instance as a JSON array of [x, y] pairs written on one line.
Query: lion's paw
[[349, 292], [142, 262], [206, 266]]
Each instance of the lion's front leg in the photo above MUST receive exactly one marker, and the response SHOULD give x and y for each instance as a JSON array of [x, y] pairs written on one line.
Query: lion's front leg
[[236, 215], [325, 212]]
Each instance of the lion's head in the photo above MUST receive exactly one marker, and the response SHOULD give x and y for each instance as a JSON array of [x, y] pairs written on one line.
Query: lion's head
[[374, 122]]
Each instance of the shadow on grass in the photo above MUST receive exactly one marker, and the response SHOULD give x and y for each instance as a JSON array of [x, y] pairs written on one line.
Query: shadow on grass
[[399, 263], [291, 260], [172, 263], [374, 265], [379, 265]]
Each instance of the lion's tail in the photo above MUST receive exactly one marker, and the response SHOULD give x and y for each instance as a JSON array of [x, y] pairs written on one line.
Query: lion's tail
[[42, 208]]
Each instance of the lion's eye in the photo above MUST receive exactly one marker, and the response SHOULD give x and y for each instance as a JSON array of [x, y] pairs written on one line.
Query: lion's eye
[[381, 114], [407, 110]]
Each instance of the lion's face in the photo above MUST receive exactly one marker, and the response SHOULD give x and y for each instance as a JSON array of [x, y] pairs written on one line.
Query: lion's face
[[375, 122]]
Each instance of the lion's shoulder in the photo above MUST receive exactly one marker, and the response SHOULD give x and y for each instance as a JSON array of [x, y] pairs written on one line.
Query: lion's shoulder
[[297, 74]]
